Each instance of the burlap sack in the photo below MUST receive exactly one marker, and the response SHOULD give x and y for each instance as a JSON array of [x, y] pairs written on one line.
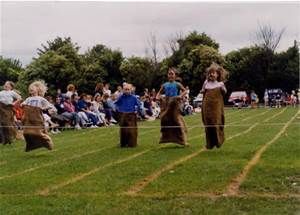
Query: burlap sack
[[7, 124], [213, 117], [34, 132], [128, 129], [173, 128]]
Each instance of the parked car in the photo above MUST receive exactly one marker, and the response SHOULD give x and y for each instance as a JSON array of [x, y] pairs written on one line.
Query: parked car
[[238, 99], [197, 102]]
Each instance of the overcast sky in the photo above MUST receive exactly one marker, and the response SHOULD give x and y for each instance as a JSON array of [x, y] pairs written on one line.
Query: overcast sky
[[127, 25]]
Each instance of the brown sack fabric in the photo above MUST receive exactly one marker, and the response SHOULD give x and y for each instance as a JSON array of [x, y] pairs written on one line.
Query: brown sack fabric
[[35, 134], [176, 132], [213, 117], [128, 136], [7, 125]]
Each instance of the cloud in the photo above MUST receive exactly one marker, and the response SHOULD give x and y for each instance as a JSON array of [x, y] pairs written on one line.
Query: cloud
[[127, 25]]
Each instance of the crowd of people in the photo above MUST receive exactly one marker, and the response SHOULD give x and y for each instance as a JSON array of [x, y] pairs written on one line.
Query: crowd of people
[[70, 110], [38, 112]]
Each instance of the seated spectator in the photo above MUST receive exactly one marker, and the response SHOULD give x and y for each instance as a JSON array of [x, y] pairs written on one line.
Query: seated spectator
[[97, 108], [71, 90], [69, 113], [148, 106], [84, 106]]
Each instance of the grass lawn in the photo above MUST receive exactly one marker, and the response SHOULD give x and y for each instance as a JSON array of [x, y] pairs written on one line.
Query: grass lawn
[[256, 171]]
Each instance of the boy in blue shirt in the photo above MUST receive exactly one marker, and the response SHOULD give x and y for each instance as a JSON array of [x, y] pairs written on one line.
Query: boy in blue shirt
[[127, 105]]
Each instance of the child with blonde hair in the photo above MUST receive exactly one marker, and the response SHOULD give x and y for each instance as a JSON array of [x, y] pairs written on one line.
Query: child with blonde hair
[[33, 121], [213, 105]]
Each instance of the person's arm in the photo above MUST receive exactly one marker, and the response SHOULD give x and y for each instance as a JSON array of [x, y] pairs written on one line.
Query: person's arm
[[203, 87], [159, 92], [17, 98], [24, 102], [47, 105], [118, 102], [223, 88], [183, 90]]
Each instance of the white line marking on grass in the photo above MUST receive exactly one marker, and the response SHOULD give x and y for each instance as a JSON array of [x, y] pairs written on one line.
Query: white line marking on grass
[[139, 186], [250, 117], [241, 133], [81, 176], [275, 115], [233, 187], [53, 163]]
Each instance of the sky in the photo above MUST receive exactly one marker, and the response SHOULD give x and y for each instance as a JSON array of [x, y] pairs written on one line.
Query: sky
[[128, 25]]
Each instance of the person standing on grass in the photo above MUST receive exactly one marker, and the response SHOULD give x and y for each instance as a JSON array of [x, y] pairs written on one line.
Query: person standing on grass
[[8, 99], [173, 128], [254, 99], [127, 106], [213, 106]]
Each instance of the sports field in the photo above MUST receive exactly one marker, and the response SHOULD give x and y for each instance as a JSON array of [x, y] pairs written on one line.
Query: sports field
[[257, 170]]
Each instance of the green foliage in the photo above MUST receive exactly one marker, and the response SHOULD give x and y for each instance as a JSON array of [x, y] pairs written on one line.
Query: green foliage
[[10, 69], [192, 68], [284, 71], [58, 64], [256, 69], [246, 69], [138, 71], [196, 52], [101, 64]]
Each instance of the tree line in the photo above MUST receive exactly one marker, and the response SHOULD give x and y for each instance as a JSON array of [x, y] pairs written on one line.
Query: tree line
[[256, 67]]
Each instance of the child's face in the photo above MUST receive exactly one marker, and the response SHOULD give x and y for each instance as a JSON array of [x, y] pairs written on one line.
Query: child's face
[[33, 91], [171, 75], [212, 75], [127, 90], [7, 86]]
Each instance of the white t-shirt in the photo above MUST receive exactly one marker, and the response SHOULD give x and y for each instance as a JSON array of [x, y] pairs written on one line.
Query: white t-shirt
[[8, 96], [208, 85], [38, 101]]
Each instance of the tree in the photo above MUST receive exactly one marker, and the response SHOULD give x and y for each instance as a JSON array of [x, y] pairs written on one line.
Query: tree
[[58, 64], [192, 68], [246, 70], [195, 52], [268, 38], [101, 64], [284, 72], [152, 43], [138, 71], [10, 69]]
